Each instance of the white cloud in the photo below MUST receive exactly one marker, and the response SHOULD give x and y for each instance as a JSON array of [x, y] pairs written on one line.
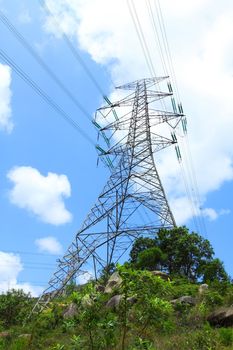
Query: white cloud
[[10, 267], [212, 214], [49, 244], [200, 34], [85, 277], [40, 195], [6, 123]]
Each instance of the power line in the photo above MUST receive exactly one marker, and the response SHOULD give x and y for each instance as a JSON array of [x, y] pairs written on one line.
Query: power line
[[143, 43], [47, 69], [193, 192], [44, 95], [72, 49], [27, 253]]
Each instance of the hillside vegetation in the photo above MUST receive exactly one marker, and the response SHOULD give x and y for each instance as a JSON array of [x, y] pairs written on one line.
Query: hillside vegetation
[[171, 295]]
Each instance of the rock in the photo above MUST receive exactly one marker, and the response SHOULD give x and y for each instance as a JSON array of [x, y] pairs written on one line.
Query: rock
[[114, 282], [203, 288], [132, 300], [100, 288], [25, 336], [114, 302], [4, 334], [161, 274], [184, 300], [71, 311], [222, 317]]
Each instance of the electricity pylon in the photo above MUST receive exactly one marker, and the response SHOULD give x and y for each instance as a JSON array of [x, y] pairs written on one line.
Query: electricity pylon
[[133, 201]]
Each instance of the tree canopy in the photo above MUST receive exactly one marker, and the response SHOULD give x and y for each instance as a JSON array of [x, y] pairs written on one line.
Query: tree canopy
[[178, 252]]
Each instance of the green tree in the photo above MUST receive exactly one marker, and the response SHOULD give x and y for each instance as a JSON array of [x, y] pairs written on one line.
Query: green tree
[[214, 270], [150, 259], [140, 245], [14, 307], [178, 252], [185, 251]]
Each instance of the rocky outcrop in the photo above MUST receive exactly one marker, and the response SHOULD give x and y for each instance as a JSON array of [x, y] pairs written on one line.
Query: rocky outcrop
[[203, 288], [114, 302], [99, 288], [71, 311], [184, 300], [114, 282], [222, 317], [161, 274]]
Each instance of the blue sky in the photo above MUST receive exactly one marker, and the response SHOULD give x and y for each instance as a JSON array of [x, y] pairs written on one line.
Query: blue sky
[[48, 173]]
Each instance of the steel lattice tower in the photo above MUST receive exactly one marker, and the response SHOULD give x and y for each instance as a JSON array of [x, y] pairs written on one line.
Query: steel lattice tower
[[115, 221]]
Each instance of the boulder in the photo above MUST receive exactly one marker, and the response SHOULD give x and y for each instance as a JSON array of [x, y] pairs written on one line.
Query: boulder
[[71, 311], [114, 282], [203, 288], [222, 317], [184, 300], [132, 300], [161, 274], [114, 302], [99, 288]]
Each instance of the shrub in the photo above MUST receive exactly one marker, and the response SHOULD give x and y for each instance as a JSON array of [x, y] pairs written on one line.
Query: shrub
[[14, 307], [226, 336]]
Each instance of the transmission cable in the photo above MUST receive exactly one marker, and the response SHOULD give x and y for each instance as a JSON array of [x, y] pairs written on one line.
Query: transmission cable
[[187, 153], [73, 50], [157, 38], [44, 95], [29, 48], [142, 40]]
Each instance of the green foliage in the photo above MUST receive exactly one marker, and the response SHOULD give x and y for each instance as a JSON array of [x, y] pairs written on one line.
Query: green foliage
[[142, 344], [150, 259], [203, 339], [213, 298], [58, 347], [20, 344], [181, 286], [14, 307], [226, 336], [139, 246], [185, 251], [213, 270], [106, 272], [144, 319], [179, 253]]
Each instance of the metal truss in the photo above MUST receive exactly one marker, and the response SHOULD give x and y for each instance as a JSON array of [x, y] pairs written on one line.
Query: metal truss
[[133, 201]]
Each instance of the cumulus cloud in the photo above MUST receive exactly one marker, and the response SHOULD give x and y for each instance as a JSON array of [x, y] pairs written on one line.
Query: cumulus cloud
[[201, 40], [10, 267], [6, 123], [212, 214], [41, 195], [85, 277], [49, 244]]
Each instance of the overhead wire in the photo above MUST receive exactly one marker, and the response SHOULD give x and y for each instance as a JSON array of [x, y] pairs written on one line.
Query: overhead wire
[[194, 192], [44, 95], [27, 253], [157, 38], [72, 49], [142, 40], [5, 20]]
